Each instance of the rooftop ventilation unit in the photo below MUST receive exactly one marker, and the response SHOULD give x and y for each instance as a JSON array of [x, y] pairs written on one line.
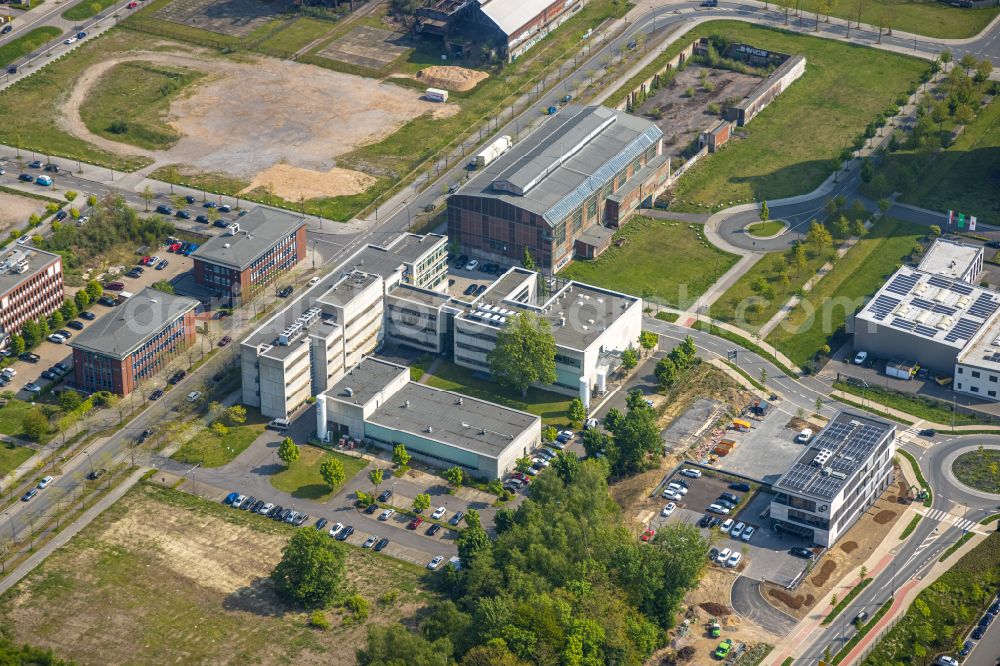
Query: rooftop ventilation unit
[[348, 391], [289, 334], [309, 316], [839, 475], [232, 229], [822, 457]]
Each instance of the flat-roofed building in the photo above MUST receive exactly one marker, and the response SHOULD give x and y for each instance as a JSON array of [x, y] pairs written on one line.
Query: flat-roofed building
[[133, 342], [253, 252], [376, 402], [31, 286], [583, 168], [841, 473], [952, 259]]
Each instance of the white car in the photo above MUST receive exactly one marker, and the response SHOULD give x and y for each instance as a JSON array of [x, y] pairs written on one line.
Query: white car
[[71, 40], [726, 526], [540, 461], [734, 560], [440, 511], [9, 372], [747, 533], [23, 239], [193, 396], [472, 265], [668, 509], [531, 471], [670, 494], [678, 488], [370, 542], [44, 483], [267, 507], [153, 260], [737, 530], [860, 358], [804, 436], [435, 563], [691, 473], [56, 338], [589, 424], [724, 555], [387, 514], [718, 508], [335, 530]]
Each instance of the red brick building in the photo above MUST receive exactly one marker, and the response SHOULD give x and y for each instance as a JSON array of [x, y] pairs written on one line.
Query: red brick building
[[31, 286], [252, 252], [133, 342]]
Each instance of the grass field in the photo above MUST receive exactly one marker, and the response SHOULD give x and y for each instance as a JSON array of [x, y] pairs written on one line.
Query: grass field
[[966, 177], [299, 33], [22, 46], [11, 456], [29, 107], [129, 102], [181, 580], [86, 9], [923, 17], [979, 470], [148, 20], [743, 306], [552, 407], [11, 416], [302, 479], [667, 261], [840, 292], [213, 451], [927, 409], [843, 89], [765, 229]]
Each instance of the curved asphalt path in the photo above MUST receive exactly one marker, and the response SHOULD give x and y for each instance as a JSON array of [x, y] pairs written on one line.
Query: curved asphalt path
[[748, 600]]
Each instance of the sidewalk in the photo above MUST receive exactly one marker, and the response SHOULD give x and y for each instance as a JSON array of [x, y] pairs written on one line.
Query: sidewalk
[[749, 337], [878, 408]]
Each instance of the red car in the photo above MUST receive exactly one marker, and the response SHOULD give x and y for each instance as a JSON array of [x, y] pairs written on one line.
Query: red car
[[520, 476], [175, 247], [145, 261], [132, 5], [648, 535], [115, 286], [225, 341], [415, 523]]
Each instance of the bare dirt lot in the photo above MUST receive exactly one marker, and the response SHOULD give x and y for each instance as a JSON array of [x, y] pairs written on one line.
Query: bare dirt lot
[[163, 577], [248, 116], [237, 18], [366, 46], [15, 211], [683, 117]]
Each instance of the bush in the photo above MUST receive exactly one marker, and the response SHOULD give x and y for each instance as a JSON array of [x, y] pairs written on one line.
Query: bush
[[319, 620], [358, 606]]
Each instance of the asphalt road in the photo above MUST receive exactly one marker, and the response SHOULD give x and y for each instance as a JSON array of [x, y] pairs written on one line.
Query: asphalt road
[[749, 602]]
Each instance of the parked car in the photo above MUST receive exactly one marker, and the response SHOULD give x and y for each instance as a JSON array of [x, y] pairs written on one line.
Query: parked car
[[29, 357], [193, 396], [860, 358], [89, 316], [705, 521], [472, 265], [285, 293], [75, 324], [729, 497], [799, 551], [387, 514], [433, 529], [691, 472], [164, 209], [344, 533], [26, 177], [156, 395], [723, 555], [381, 545], [44, 483], [435, 562], [734, 560], [677, 488], [201, 218], [440, 511], [727, 525], [182, 215], [385, 496], [95, 474], [335, 530], [718, 508], [737, 530], [927, 432], [230, 497], [225, 340], [415, 523], [163, 264], [321, 523], [742, 487], [457, 518], [370, 541], [26, 497], [177, 377], [668, 510], [648, 535], [748, 533], [669, 493]]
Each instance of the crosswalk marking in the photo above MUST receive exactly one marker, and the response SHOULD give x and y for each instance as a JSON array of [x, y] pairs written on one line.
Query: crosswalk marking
[[945, 517]]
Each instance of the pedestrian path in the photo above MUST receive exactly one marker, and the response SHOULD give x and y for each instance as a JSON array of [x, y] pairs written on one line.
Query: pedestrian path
[[940, 516]]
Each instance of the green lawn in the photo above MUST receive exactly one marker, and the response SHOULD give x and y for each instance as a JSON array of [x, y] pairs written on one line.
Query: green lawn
[[86, 9], [743, 306], [979, 470], [302, 479], [854, 278], [667, 261], [923, 17], [966, 177], [299, 33], [793, 144], [928, 409], [129, 103], [552, 407], [29, 107], [22, 46], [11, 456], [940, 616], [765, 229], [212, 451], [11, 416]]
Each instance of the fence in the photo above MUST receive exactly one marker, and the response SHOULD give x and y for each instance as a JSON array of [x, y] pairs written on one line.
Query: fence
[[874, 644]]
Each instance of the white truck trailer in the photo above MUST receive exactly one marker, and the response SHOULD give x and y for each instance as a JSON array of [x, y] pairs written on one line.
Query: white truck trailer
[[436, 95], [491, 152]]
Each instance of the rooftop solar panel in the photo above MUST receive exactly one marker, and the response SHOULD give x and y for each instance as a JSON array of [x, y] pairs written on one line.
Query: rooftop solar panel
[[927, 331], [882, 306], [983, 307], [902, 324], [964, 329], [902, 284]]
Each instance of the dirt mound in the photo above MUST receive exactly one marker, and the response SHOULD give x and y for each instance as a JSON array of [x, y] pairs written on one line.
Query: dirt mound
[[849, 546], [886, 516], [717, 610], [450, 77], [293, 183], [792, 601], [825, 571]]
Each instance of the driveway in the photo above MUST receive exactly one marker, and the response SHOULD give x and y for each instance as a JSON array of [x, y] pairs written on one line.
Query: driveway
[[748, 601]]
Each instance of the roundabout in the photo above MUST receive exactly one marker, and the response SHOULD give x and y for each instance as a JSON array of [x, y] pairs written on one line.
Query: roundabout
[[978, 470], [938, 462]]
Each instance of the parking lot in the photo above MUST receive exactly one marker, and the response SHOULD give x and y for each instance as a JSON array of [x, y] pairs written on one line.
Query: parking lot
[[767, 450]]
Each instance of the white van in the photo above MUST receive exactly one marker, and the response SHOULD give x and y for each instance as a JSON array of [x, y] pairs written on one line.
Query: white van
[[278, 424]]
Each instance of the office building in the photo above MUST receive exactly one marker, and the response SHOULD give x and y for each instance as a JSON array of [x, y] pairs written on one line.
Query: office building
[[376, 402], [841, 473], [31, 286], [952, 259], [133, 342]]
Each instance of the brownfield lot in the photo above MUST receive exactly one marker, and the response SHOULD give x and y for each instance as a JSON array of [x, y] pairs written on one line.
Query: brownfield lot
[[164, 577], [15, 211], [236, 18]]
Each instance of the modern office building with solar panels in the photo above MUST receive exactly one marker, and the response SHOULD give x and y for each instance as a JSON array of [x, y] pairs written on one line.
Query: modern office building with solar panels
[[843, 470]]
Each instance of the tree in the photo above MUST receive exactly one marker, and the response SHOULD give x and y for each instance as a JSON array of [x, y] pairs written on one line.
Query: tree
[[523, 464], [648, 340], [763, 375], [332, 471], [395, 645], [765, 213], [529, 261], [69, 400], [376, 476], [288, 451], [964, 114], [147, 196], [613, 418], [70, 195], [566, 466], [56, 320], [236, 415], [968, 62], [636, 437], [400, 457], [630, 359], [819, 236], [454, 476], [867, 170], [945, 58], [82, 299], [219, 429], [983, 71], [576, 412], [524, 354], [842, 226], [311, 570], [421, 502], [17, 344], [799, 259], [549, 433], [68, 310], [34, 424], [94, 290], [819, 404], [934, 230], [665, 372]]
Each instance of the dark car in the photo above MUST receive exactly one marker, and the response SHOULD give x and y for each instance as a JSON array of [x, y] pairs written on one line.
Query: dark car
[[4, 30], [742, 487], [321, 523], [230, 497], [966, 648], [201, 218], [177, 376], [225, 208], [35, 164], [183, 215], [75, 324], [115, 286], [248, 502], [225, 340], [156, 395], [189, 198], [986, 620], [258, 505], [81, 34], [134, 274], [28, 495], [52, 168], [344, 533], [995, 608], [705, 521], [49, 375], [209, 204], [275, 511], [146, 434], [978, 633], [29, 357], [222, 224], [927, 432], [372, 508], [457, 518], [164, 209], [480, 289], [285, 292], [861, 617], [471, 289], [61, 215], [163, 264], [799, 551], [433, 529], [385, 496], [89, 316], [283, 516], [730, 497], [95, 474], [380, 545], [63, 367], [63, 332], [993, 243], [26, 177]]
